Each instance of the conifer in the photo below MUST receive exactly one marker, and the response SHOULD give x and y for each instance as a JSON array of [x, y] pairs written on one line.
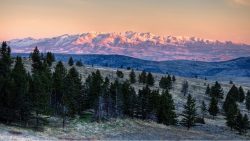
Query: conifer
[[132, 77], [166, 110], [241, 96], [150, 79], [216, 91], [213, 107], [247, 102], [189, 113], [71, 61]]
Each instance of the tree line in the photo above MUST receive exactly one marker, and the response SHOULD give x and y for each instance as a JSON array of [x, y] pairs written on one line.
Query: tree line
[[27, 96]]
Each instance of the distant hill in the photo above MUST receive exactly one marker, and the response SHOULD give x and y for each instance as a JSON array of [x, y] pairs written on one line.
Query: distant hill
[[236, 70]]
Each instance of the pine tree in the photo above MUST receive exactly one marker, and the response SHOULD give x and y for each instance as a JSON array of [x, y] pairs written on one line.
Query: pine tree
[[155, 103], [165, 83], [5, 60], [241, 96], [150, 79], [119, 74], [45, 76], [106, 98], [21, 100], [5, 81], [203, 109], [117, 99], [72, 92], [232, 96], [189, 113], [162, 83], [231, 114], [71, 61], [102, 107], [133, 101], [79, 63], [58, 79], [97, 81], [143, 77], [145, 106], [184, 89], [132, 77], [128, 95], [36, 61], [173, 78], [39, 96], [213, 107], [88, 91], [93, 87], [166, 110], [207, 90], [247, 102], [40, 85], [216, 91], [245, 123], [239, 123], [50, 58], [169, 78]]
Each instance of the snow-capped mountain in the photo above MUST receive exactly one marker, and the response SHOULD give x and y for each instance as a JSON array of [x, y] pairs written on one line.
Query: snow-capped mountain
[[135, 44]]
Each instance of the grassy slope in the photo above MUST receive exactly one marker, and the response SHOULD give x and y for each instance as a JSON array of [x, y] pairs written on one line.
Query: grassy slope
[[132, 128]]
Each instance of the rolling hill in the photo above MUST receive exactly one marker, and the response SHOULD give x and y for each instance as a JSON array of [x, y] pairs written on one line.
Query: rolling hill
[[237, 70]]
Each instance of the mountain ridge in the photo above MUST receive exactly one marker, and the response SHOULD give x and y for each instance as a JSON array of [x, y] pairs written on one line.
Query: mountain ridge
[[141, 45]]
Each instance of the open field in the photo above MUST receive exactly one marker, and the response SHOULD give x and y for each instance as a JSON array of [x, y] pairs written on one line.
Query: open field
[[121, 129]]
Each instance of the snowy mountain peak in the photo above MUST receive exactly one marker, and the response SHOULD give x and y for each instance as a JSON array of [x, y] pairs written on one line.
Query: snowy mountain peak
[[143, 45]]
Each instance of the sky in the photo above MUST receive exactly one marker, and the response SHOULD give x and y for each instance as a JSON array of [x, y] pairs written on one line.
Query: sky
[[222, 20]]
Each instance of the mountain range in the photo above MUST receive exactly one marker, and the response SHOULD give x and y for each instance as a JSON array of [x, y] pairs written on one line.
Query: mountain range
[[146, 46]]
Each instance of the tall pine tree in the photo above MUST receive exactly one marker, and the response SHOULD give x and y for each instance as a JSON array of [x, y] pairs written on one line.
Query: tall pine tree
[[165, 83], [132, 77], [71, 61], [21, 98], [184, 89], [216, 91], [213, 107], [166, 110], [72, 92], [232, 96], [231, 114], [50, 58], [241, 96], [143, 77], [58, 79], [150, 79], [189, 113], [207, 90], [5, 82]]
